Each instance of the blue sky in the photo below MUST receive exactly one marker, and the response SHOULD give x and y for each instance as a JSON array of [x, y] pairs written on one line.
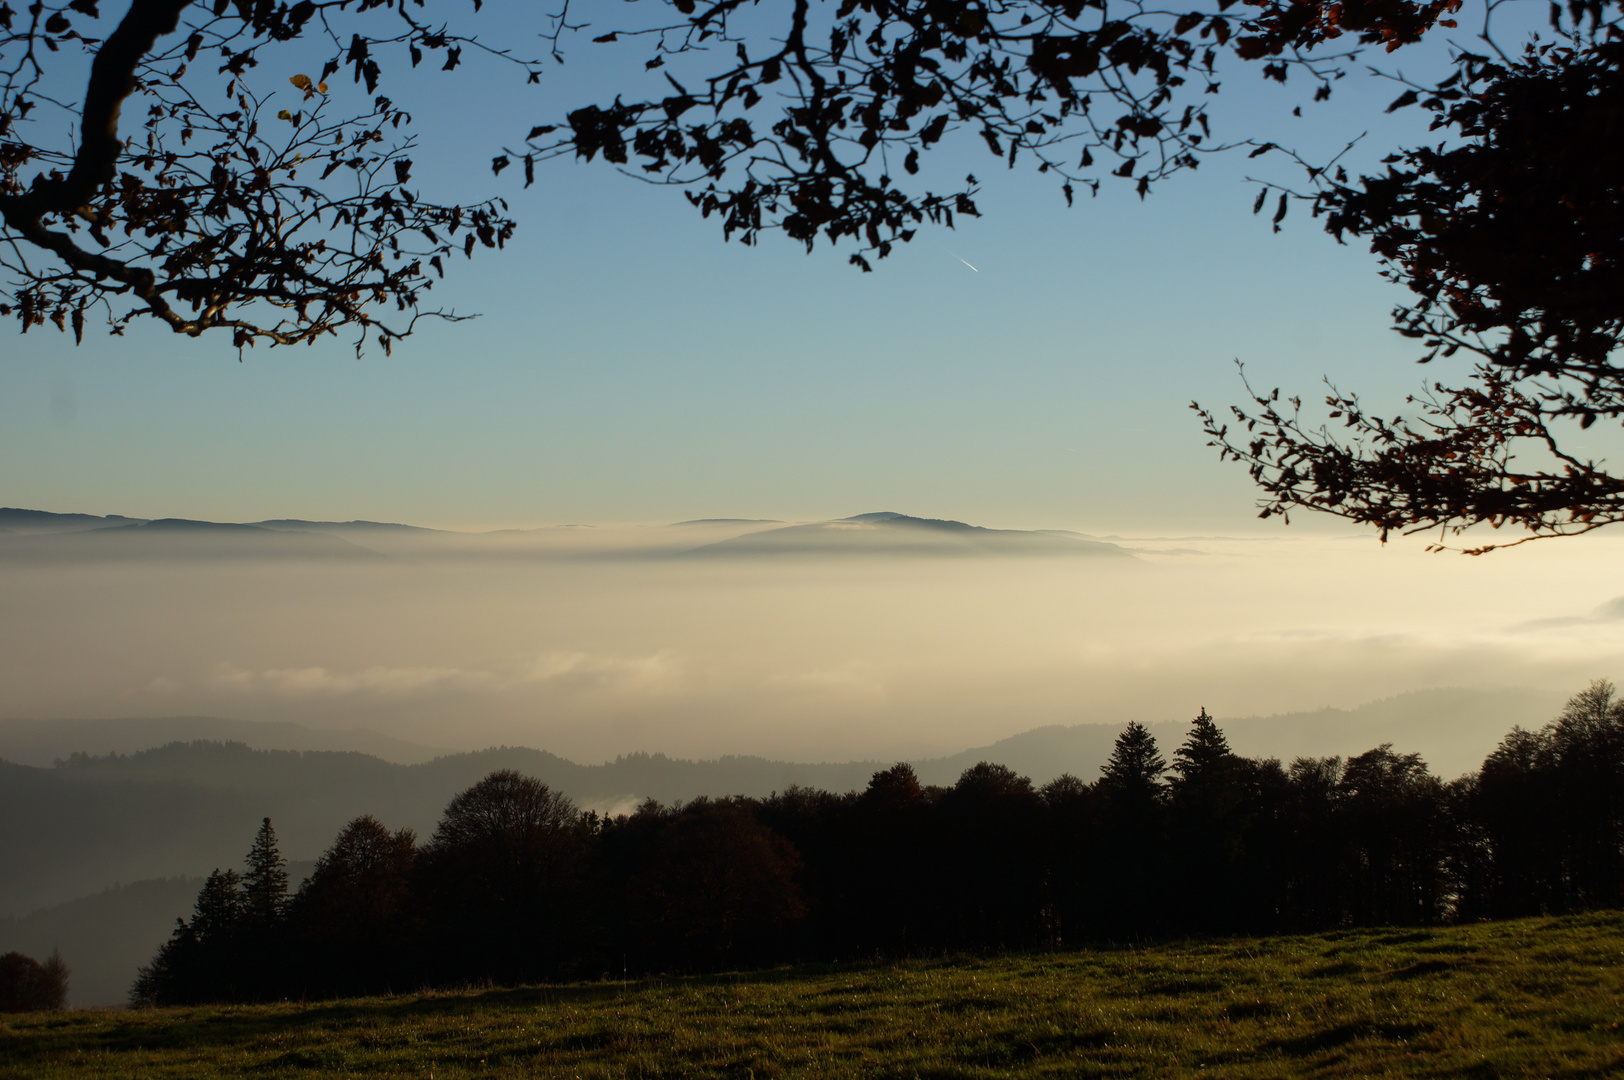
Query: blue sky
[[629, 366]]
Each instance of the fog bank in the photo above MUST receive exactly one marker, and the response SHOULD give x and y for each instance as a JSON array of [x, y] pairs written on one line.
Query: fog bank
[[596, 642]]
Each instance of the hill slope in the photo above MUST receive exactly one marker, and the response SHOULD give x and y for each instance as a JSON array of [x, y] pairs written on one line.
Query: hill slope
[[1530, 998], [889, 533], [42, 742], [186, 808]]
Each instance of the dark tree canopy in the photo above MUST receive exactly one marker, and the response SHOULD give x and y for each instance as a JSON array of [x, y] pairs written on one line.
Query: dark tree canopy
[[1232, 846], [500, 876], [364, 878], [351, 917], [26, 985], [1507, 232], [176, 195], [721, 886]]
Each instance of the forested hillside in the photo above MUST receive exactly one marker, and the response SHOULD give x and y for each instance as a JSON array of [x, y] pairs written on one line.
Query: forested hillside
[[516, 884], [184, 808]]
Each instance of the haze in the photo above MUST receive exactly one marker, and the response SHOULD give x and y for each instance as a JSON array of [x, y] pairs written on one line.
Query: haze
[[594, 642]]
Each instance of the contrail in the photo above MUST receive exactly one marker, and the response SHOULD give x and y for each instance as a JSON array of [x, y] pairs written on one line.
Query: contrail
[[961, 259]]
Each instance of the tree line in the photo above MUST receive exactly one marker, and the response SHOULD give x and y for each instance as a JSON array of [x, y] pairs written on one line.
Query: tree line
[[517, 884]]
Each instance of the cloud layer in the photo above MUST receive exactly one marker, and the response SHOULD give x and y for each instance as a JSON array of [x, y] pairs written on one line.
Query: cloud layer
[[801, 657]]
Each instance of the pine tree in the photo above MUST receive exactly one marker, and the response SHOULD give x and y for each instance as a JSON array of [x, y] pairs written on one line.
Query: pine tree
[[201, 959], [1205, 750], [1133, 856], [1208, 821], [265, 885], [1136, 765], [217, 915]]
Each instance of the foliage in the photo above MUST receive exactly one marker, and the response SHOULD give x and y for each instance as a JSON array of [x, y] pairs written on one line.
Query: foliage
[[1534, 998], [26, 985], [206, 212], [500, 878], [1507, 233], [1550, 808], [265, 885], [210, 213], [517, 885], [350, 917]]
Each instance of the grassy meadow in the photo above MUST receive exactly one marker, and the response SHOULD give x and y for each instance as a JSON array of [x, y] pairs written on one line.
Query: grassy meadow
[[1534, 997]]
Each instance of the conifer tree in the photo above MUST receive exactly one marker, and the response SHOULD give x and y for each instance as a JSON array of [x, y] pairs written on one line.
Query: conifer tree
[[201, 959], [1133, 856], [1209, 817], [265, 885], [1205, 750], [217, 915], [1136, 765]]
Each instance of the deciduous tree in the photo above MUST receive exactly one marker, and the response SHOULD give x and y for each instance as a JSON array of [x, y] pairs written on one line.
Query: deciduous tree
[[1507, 232], [168, 189], [502, 878], [26, 985]]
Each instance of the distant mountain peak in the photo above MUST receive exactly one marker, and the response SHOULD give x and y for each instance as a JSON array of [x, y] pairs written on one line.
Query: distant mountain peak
[[887, 532], [359, 525], [189, 525]]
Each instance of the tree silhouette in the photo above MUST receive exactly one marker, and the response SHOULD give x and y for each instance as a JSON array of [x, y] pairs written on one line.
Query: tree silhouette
[[1133, 854], [1587, 752], [990, 845], [1209, 814], [502, 876], [354, 920], [1507, 233], [26, 985], [1133, 773], [1313, 846], [1549, 806], [1204, 753], [1393, 808], [168, 190], [719, 890], [265, 882], [1071, 855], [820, 826], [888, 897], [517, 885], [204, 958]]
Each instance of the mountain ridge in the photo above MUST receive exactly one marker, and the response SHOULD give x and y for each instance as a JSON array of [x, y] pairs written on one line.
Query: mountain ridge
[[33, 535]]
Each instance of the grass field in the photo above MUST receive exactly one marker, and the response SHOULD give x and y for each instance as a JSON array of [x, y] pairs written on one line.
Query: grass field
[[1538, 997]]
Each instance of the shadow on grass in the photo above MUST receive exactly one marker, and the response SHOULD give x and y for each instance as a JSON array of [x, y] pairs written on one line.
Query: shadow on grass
[[1333, 1037], [1426, 967], [202, 1027]]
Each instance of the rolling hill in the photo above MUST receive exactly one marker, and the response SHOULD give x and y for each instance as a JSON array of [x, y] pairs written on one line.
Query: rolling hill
[[890, 533]]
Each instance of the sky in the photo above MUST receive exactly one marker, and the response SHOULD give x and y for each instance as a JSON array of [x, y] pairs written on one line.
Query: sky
[[629, 367]]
